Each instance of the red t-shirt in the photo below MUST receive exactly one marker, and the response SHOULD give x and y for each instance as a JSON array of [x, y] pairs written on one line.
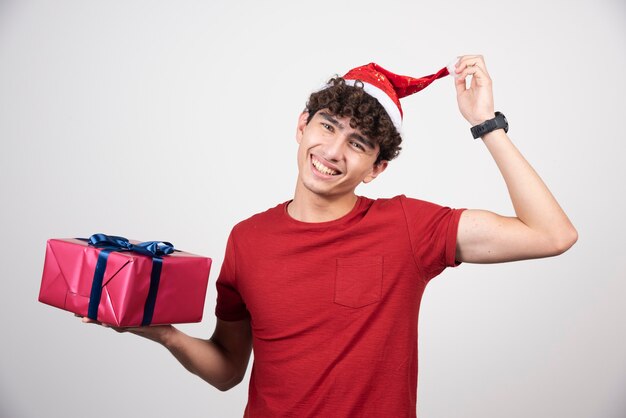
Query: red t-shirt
[[333, 305]]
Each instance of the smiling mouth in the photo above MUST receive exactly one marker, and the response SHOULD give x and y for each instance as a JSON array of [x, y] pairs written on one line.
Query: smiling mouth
[[322, 168]]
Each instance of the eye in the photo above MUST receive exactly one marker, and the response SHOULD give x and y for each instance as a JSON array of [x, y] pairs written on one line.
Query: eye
[[327, 126], [357, 145]]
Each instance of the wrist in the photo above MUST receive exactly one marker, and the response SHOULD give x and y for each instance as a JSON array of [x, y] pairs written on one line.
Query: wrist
[[495, 136], [168, 336], [162, 334], [482, 118]]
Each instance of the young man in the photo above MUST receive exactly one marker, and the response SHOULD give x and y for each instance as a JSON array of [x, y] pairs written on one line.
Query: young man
[[327, 287]]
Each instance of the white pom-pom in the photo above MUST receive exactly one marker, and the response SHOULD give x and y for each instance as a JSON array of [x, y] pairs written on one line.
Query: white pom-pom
[[452, 67]]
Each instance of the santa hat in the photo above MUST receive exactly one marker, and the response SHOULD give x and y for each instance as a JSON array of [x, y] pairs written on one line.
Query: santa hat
[[388, 88]]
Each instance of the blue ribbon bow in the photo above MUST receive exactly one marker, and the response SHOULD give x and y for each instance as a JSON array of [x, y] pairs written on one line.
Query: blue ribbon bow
[[111, 243], [149, 248]]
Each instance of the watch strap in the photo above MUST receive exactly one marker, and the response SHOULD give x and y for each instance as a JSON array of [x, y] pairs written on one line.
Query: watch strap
[[498, 122]]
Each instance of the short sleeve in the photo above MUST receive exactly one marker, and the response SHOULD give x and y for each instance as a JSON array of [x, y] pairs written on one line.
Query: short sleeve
[[433, 232], [230, 305]]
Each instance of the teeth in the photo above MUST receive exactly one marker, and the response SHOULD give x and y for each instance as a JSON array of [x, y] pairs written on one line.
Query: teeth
[[323, 169]]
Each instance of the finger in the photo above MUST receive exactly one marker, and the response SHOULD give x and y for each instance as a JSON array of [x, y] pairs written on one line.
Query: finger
[[465, 65], [463, 58], [469, 70], [461, 79], [471, 57], [478, 74], [470, 61], [460, 85], [87, 320]]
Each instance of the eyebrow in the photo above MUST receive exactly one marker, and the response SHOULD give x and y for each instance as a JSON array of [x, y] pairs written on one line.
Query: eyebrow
[[330, 118]]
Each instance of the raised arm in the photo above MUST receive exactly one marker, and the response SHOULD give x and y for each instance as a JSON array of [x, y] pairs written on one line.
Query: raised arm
[[221, 360], [540, 228]]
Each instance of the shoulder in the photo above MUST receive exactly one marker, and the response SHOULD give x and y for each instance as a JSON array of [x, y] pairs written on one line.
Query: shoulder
[[394, 209], [404, 203], [258, 220], [416, 213]]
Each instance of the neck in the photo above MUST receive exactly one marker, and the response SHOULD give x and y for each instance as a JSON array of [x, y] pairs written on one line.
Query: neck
[[310, 207]]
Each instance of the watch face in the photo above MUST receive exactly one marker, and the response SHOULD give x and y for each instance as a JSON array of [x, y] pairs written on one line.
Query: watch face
[[502, 122]]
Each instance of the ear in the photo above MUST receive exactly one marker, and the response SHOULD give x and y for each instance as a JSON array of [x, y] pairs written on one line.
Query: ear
[[376, 170], [302, 122]]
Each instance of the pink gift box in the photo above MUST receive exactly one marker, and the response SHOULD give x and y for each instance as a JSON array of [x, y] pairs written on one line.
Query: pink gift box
[[68, 275]]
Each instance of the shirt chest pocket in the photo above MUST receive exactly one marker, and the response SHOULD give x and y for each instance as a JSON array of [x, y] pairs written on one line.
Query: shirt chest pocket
[[358, 281]]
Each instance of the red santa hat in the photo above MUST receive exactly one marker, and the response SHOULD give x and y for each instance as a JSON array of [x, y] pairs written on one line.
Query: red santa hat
[[388, 88]]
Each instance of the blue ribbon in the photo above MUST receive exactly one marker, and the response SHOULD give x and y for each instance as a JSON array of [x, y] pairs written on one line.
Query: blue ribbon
[[149, 248], [111, 243]]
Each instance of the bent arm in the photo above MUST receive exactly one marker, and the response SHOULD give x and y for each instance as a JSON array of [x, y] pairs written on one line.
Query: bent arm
[[221, 360], [539, 229]]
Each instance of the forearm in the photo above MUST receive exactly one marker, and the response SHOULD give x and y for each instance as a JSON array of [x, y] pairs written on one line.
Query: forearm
[[204, 358], [221, 360], [532, 201]]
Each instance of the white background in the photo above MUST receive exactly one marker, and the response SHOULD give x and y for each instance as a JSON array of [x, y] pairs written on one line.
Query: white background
[[174, 120]]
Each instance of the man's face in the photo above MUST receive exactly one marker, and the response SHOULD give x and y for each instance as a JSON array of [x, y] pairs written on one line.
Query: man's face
[[333, 158]]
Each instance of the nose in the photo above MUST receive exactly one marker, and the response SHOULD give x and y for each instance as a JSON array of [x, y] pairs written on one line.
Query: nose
[[333, 148]]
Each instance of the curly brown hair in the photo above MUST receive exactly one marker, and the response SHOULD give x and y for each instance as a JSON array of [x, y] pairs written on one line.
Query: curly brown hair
[[365, 112]]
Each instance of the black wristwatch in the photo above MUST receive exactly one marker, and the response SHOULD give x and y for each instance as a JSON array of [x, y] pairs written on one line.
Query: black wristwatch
[[499, 122]]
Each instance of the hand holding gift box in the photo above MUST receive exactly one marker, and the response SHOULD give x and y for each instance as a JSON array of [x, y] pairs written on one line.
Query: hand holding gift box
[[122, 283]]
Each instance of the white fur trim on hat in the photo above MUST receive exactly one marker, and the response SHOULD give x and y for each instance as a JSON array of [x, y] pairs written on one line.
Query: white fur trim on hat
[[384, 100]]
